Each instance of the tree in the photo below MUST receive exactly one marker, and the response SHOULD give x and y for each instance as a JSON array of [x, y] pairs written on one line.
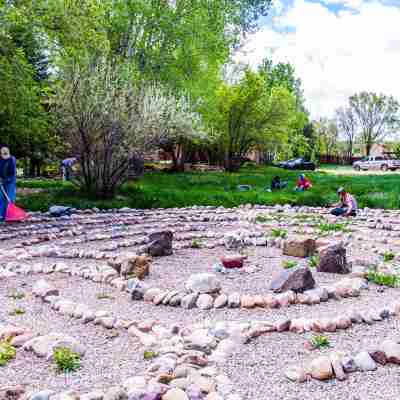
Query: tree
[[377, 115], [247, 117], [108, 120], [283, 75], [328, 135], [347, 123]]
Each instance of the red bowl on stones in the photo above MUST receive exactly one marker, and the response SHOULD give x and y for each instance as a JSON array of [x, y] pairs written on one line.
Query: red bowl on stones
[[233, 261]]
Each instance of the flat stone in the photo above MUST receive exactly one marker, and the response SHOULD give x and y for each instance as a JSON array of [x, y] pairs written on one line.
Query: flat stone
[[221, 301], [44, 289], [203, 283], [205, 302], [189, 301]]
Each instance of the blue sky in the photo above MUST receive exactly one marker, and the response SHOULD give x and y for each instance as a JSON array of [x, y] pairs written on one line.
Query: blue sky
[[338, 47]]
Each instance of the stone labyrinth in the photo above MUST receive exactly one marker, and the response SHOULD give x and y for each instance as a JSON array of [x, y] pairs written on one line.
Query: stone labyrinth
[[200, 303]]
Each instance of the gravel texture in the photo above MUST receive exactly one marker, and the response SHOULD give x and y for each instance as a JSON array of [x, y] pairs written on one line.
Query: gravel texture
[[257, 368]]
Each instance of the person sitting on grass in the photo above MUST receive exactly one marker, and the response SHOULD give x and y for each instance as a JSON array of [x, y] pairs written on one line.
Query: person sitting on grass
[[347, 207], [276, 184], [303, 184]]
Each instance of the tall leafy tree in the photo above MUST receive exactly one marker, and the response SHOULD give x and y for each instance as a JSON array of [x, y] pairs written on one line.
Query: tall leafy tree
[[377, 115], [248, 117]]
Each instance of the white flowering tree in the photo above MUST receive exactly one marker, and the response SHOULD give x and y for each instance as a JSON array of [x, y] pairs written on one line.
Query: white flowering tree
[[107, 119]]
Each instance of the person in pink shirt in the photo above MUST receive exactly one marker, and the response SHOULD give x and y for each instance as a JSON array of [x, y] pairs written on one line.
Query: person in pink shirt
[[303, 184], [347, 207]]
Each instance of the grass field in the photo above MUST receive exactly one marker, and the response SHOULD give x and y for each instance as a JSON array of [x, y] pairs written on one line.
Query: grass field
[[162, 190]]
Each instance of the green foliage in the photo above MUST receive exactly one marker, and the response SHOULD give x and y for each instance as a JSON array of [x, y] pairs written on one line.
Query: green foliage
[[7, 353], [383, 279], [313, 261], [16, 311], [288, 264], [164, 190], [196, 244], [324, 227], [260, 218], [149, 354], [319, 341], [246, 117], [388, 256], [66, 360], [279, 233], [378, 115]]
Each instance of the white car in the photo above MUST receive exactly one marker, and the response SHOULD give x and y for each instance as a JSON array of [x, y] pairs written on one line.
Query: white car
[[376, 163]]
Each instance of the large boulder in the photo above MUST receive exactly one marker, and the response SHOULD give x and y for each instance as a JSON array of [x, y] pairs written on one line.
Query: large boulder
[[297, 279], [203, 283], [332, 258], [299, 247], [160, 244]]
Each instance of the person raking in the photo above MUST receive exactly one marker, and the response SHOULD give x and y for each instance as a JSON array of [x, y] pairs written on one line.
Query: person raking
[[347, 206], [8, 179], [303, 184]]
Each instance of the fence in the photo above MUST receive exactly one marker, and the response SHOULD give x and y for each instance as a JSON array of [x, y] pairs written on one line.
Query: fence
[[333, 159]]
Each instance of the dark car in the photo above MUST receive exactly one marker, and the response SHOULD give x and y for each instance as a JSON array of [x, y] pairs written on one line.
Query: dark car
[[297, 163]]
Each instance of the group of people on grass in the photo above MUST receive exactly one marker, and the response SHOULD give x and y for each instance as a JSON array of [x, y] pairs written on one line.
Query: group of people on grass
[[347, 206]]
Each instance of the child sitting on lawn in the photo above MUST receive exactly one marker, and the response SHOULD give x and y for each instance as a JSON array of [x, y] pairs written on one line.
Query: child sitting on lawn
[[303, 184], [276, 183]]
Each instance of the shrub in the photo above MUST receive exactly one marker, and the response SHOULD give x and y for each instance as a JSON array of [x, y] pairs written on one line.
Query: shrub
[[287, 264], [149, 354], [388, 256], [279, 233], [319, 341], [7, 353], [313, 261], [196, 244], [325, 227], [383, 279], [66, 360], [262, 218]]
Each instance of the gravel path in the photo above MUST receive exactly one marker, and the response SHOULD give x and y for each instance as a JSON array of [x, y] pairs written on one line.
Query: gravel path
[[258, 368]]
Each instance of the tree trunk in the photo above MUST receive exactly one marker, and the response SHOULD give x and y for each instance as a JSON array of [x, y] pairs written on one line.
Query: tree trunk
[[368, 147]]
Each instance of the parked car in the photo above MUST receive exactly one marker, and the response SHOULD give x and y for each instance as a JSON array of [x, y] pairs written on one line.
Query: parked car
[[297, 163], [376, 163]]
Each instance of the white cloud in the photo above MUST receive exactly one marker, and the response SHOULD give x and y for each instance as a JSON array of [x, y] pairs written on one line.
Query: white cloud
[[335, 55]]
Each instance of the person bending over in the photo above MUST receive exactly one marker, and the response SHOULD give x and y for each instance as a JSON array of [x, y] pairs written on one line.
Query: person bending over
[[8, 179], [347, 206]]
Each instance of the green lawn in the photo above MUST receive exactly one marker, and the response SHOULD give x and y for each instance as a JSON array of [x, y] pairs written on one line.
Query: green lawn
[[161, 189]]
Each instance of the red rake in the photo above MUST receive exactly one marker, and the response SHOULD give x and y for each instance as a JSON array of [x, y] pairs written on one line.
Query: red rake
[[13, 213]]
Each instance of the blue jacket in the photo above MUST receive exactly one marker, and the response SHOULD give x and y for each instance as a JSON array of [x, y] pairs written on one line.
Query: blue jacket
[[8, 170]]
